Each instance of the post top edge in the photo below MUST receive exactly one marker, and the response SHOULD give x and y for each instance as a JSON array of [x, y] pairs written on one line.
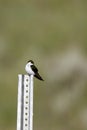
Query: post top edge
[[23, 75]]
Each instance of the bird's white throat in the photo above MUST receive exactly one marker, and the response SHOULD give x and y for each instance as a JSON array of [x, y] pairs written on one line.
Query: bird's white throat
[[29, 69]]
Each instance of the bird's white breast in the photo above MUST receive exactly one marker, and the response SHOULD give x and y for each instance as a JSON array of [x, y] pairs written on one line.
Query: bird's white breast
[[28, 69]]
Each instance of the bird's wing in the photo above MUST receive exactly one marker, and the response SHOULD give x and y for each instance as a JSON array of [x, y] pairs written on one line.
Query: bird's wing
[[34, 68]]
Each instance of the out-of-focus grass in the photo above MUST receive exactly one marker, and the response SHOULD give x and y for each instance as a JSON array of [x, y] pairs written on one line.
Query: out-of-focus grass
[[36, 30]]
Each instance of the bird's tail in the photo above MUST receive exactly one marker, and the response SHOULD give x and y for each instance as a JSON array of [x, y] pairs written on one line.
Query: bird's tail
[[38, 76]]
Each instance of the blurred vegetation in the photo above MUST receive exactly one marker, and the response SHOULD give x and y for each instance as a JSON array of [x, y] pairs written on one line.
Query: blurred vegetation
[[53, 34]]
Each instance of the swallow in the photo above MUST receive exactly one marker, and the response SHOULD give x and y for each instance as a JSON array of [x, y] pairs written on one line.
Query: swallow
[[31, 69]]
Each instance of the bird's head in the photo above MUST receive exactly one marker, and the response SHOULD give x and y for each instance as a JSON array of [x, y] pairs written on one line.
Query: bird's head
[[30, 61]]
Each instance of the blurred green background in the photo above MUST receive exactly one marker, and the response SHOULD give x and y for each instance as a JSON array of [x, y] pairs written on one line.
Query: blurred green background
[[53, 33]]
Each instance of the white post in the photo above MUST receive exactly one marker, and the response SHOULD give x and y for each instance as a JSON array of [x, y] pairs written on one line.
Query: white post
[[25, 102]]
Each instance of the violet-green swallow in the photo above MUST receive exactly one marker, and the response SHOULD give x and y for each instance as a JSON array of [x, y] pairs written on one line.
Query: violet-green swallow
[[32, 70]]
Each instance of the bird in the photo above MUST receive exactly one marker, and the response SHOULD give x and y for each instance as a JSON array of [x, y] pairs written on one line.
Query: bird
[[31, 69]]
